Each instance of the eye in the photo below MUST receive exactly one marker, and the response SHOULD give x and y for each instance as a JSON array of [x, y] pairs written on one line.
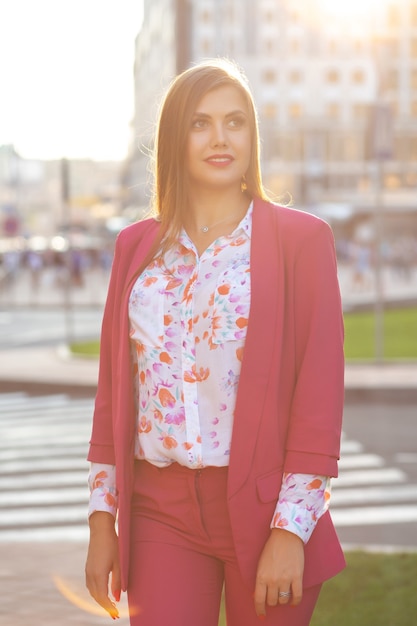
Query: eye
[[199, 122], [237, 121]]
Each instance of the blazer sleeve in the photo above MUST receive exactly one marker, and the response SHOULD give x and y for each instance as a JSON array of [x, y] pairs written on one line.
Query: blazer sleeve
[[313, 441], [101, 443]]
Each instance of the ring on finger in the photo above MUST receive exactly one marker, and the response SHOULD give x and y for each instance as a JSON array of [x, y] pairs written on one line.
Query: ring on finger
[[284, 594]]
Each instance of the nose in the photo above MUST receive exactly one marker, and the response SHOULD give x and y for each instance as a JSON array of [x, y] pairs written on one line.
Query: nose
[[219, 137]]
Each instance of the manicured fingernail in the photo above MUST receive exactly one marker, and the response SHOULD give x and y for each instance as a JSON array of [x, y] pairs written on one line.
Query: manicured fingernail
[[262, 617]]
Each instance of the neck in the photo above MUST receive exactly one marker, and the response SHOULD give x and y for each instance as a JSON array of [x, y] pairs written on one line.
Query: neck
[[208, 210]]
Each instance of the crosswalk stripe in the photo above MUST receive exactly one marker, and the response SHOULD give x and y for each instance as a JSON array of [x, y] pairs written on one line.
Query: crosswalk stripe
[[43, 473], [36, 515], [44, 535], [350, 447], [370, 476], [46, 464], [375, 515], [44, 496], [366, 495], [29, 452], [360, 461], [39, 479]]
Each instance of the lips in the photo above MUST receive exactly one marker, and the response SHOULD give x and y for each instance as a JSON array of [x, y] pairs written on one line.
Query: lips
[[220, 160]]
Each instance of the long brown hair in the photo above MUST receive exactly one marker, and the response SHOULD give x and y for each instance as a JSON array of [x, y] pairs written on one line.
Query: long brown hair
[[170, 200]]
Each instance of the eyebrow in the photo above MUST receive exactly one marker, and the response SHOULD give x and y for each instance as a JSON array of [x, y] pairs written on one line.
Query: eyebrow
[[231, 114]]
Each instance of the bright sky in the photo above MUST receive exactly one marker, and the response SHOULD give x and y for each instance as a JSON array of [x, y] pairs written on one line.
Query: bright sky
[[66, 76]]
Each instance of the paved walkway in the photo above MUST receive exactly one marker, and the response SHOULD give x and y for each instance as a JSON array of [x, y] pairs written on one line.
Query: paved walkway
[[53, 367], [42, 583]]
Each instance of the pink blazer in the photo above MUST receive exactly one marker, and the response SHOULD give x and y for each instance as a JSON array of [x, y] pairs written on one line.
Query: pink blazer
[[290, 397]]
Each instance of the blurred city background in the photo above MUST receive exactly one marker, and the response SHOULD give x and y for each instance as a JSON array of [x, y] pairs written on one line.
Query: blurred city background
[[336, 88]]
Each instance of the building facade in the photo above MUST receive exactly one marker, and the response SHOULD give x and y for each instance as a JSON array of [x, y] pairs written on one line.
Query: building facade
[[46, 196], [318, 78]]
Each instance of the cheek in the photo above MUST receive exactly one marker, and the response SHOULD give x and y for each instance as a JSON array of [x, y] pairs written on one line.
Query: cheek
[[246, 147], [193, 147], [189, 151]]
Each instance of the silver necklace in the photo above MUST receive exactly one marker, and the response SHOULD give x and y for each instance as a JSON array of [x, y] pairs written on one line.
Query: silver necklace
[[205, 229]]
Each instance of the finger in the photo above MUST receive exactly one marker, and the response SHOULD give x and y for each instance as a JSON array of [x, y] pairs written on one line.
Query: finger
[[297, 592], [116, 585], [107, 605], [284, 596], [98, 591], [272, 597], [259, 598]]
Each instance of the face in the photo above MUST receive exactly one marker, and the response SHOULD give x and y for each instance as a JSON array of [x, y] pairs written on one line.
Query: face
[[219, 140]]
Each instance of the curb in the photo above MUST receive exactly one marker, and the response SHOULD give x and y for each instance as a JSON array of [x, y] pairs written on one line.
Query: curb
[[353, 395]]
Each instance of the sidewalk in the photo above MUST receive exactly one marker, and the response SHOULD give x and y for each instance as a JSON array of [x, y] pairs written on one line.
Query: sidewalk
[[29, 571], [43, 583], [34, 578], [37, 369]]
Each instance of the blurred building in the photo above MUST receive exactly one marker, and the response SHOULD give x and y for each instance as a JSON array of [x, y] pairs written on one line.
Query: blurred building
[[48, 196], [316, 77]]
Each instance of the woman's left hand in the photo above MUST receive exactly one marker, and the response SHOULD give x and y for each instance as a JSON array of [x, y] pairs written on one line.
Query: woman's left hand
[[280, 569]]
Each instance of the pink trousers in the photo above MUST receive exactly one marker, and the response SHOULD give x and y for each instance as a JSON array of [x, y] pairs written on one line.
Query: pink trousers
[[182, 554]]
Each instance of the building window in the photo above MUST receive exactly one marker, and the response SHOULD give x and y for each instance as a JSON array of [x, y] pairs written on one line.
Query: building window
[[332, 46], [333, 76], [292, 148], [270, 111], [295, 46], [393, 16], [295, 110], [352, 148], [413, 148], [206, 47], [269, 46], [334, 149], [413, 10], [394, 106], [295, 17], [333, 110], [360, 111], [392, 79], [295, 76], [358, 77], [359, 46], [269, 76], [393, 48]]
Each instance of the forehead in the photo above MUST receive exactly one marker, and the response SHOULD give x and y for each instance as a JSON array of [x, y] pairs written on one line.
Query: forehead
[[222, 100]]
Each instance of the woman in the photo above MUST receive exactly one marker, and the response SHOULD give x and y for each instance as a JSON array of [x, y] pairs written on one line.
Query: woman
[[218, 413]]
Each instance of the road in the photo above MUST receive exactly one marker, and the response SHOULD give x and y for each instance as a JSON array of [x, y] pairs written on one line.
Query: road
[[374, 500], [51, 313], [23, 328], [43, 471]]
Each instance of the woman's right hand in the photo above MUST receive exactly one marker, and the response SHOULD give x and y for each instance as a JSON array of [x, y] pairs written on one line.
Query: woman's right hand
[[103, 561]]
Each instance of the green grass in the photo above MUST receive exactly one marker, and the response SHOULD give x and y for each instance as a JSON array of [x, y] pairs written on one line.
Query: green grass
[[85, 348], [400, 336], [399, 339], [374, 590]]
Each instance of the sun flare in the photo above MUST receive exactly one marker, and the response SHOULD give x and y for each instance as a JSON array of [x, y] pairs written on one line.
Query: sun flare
[[82, 600], [351, 9]]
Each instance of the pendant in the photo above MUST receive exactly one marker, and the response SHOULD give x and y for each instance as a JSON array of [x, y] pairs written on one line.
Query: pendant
[[204, 229]]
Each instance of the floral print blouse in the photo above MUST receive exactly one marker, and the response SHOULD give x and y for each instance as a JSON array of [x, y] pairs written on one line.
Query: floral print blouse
[[188, 318]]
